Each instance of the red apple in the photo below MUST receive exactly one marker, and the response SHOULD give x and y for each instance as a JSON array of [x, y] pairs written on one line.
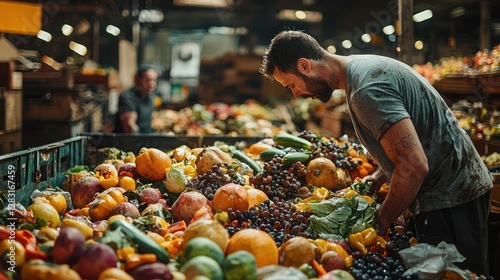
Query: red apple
[[187, 204], [126, 209], [150, 195], [96, 258], [129, 168], [83, 191], [69, 246], [332, 260]]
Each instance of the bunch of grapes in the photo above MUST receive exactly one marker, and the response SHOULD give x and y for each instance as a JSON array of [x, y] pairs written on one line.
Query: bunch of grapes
[[338, 154], [376, 267], [209, 182], [279, 218], [278, 180], [397, 242], [310, 136]]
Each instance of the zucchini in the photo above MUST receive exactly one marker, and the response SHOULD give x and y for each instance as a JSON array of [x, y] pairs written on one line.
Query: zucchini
[[268, 155], [241, 156], [289, 140], [144, 243], [291, 158]]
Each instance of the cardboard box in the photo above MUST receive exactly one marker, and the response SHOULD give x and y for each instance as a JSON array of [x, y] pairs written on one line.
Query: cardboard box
[[11, 108], [53, 106]]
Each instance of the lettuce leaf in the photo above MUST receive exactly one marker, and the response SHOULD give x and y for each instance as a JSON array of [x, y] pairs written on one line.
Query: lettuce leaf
[[341, 216]]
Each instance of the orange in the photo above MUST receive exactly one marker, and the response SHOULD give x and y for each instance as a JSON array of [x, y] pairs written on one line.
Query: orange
[[232, 196], [258, 243], [256, 197]]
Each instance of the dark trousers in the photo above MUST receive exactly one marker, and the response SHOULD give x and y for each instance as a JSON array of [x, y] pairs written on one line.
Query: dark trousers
[[465, 226]]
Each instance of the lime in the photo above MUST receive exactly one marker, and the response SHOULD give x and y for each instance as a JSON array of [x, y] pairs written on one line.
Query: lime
[[240, 265]]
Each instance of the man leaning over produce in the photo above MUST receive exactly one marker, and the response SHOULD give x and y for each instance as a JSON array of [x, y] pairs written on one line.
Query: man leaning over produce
[[431, 164]]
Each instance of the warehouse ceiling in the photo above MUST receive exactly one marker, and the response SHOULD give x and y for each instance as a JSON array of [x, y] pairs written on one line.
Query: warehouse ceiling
[[341, 19]]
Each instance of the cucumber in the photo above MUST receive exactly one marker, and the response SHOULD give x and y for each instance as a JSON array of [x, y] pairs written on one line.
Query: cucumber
[[144, 243], [289, 140], [241, 156], [291, 158], [268, 155]]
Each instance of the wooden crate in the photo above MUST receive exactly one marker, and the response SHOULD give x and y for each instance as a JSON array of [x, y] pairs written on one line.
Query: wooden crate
[[42, 133], [490, 84], [11, 141], [9, 78], [458, 85]]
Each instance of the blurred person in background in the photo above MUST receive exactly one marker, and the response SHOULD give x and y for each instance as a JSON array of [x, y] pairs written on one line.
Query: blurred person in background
[[136, 105], [428, 160]]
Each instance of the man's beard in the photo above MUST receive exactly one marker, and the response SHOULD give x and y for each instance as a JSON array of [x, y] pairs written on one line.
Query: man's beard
[[318, 88]]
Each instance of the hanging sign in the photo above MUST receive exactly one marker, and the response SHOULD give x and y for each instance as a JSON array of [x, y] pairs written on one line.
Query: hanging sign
[[20, 18]]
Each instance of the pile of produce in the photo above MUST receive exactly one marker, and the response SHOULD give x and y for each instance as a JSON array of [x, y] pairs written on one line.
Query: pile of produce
[[250, 119], [478, 120], [288, 206], [482, 62]]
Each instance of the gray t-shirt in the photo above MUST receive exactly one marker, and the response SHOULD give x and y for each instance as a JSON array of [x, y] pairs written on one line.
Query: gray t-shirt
[[131, 100], [382, 91]]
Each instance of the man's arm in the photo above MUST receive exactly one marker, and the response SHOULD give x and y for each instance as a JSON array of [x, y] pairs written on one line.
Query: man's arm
[[403, 147], [129, 121]]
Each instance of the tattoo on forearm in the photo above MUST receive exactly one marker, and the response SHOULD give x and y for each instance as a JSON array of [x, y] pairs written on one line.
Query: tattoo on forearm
[[408, 141]]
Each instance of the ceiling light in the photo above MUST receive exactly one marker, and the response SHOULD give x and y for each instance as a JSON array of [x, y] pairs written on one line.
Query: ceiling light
[[300, 15], [151, 16], [113, 30], [331, 49], [346, 44], [44, 35], [419, 45], [78, 48], [204, 3], [366, 38], [423, 15], [67, 29], [388, 30]]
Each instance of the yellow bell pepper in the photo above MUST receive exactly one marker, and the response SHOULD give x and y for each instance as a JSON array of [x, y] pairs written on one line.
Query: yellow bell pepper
[[324, 246], [321, 193], [367, 198], [356, 242], [108, 179], [369, 236], [350, 193]]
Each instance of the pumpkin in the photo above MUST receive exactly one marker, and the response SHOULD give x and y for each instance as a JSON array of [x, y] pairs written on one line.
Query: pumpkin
[[151, 164], [101, 207], [258, 243], [322, 172], [232, 196], [296, 252]]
